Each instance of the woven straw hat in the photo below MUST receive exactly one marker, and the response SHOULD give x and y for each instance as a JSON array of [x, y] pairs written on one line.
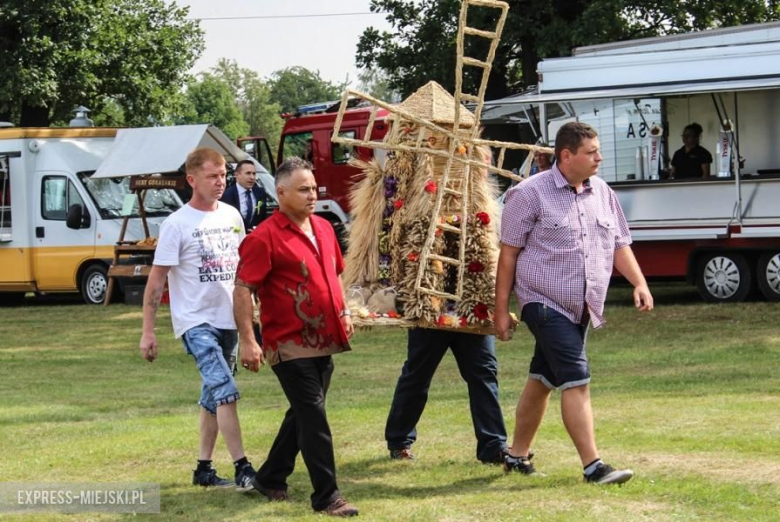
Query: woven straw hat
[[431, 102]]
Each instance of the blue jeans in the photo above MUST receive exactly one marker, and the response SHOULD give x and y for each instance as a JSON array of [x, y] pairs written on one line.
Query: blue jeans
[[214, 351], [476, 358]]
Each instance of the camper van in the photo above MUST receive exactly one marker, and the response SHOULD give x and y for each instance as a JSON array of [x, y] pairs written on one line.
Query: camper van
[[720, 232], [65, 196], [57, 224]]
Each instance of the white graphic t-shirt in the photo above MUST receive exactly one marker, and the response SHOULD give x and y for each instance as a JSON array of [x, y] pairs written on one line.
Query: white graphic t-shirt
[[202, 250]]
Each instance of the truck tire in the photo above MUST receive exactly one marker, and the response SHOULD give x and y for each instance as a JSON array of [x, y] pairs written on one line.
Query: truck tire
[[94, 283], [11, 298], [723, 277], [768, 275], [341, 235]]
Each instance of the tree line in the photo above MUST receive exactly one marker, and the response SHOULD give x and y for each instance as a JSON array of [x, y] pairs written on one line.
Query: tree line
[[129, 60], [421, 44]]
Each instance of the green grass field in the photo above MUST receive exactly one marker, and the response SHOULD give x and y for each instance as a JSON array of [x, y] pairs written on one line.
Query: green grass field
[[688, 396]]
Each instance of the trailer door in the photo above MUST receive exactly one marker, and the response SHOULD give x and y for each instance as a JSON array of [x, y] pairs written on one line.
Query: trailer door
[[59, 250], [14, 246]]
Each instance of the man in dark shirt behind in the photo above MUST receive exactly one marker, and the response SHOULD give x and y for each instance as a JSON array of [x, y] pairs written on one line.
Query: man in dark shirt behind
[[247, 196], [691, 160]]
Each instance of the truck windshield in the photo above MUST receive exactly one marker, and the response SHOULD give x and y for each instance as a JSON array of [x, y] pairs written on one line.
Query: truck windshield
[[108, 194]]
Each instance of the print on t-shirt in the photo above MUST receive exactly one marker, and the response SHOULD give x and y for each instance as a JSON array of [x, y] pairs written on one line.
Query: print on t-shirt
[[218, 251]]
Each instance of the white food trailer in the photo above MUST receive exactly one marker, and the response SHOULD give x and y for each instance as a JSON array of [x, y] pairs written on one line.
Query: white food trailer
[[722, 232]]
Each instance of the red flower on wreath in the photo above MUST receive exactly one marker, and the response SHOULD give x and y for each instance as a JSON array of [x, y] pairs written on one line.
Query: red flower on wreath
[[481, 311], [398, 203], [393, 314], [430, 187], [476, 266], [412, 256], [441, 321], [463, 322], [484, 218]]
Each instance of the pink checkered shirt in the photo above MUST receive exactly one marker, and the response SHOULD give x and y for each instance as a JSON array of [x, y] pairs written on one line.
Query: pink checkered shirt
[[568, 242]]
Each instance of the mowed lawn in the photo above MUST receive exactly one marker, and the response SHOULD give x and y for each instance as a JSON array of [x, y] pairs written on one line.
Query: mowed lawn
[[687, 396]]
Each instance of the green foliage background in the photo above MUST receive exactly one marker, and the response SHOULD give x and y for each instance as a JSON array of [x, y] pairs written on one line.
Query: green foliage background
[[421, 45]]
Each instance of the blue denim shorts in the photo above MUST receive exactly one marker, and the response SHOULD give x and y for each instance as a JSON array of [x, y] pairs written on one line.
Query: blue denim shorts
[[214, 351], [559, 358]]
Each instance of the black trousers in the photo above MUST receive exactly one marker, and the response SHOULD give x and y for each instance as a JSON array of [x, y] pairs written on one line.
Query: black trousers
[[476, 358], [304, 428]]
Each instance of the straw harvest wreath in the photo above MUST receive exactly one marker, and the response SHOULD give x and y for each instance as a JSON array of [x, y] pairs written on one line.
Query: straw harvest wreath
[[423, 244]]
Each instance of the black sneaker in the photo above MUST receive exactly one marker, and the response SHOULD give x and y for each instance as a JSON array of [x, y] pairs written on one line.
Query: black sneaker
[[521, 465], [499, 459], [402, 454], [208, 478], [606, 474], [244, 477]]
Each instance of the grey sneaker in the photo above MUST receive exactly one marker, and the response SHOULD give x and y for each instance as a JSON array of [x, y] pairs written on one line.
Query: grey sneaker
[[606, 474], [209, 478], [244, 477], [521, 465]]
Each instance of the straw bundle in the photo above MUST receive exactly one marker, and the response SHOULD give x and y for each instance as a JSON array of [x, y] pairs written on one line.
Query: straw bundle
[[362, 261], [433, 103]]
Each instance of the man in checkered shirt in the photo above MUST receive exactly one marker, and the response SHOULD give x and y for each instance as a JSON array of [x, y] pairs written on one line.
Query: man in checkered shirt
[[563, 231]]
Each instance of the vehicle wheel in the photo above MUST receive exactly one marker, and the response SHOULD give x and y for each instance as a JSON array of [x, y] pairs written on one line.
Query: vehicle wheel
[[341, 235], [768, 275], [94, 283], [723, 277], [11, 298]]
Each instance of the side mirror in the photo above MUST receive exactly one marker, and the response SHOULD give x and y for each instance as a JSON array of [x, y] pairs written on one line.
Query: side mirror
[[77, 218]]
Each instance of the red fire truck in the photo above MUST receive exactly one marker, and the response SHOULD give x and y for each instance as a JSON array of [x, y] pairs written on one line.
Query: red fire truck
[[307, 134]]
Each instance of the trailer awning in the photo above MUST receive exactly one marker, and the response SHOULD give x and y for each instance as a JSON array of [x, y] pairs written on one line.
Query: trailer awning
[[640, 91], [152, 150]]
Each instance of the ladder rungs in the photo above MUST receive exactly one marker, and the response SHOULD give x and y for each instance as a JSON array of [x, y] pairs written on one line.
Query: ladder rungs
[[486, 3], [443, 259], [478, 32], [449, 228], [475, 63], [437, 293], [370, 126], [469, 97]]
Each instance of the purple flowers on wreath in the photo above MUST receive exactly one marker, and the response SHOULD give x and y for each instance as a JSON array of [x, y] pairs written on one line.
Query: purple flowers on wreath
[[391, 188], [385, 256]]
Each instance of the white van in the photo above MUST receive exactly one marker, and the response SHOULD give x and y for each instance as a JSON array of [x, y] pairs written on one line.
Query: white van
[[59, 221], [57, 225]]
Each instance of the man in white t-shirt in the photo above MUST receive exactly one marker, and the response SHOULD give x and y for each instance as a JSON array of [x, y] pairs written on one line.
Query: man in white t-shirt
[[198, 252]]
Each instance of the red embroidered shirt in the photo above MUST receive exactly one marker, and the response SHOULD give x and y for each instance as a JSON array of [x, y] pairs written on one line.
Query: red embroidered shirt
[[298, 288]]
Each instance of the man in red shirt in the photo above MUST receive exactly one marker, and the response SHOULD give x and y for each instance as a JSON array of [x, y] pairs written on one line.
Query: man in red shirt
[[292, 263]]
